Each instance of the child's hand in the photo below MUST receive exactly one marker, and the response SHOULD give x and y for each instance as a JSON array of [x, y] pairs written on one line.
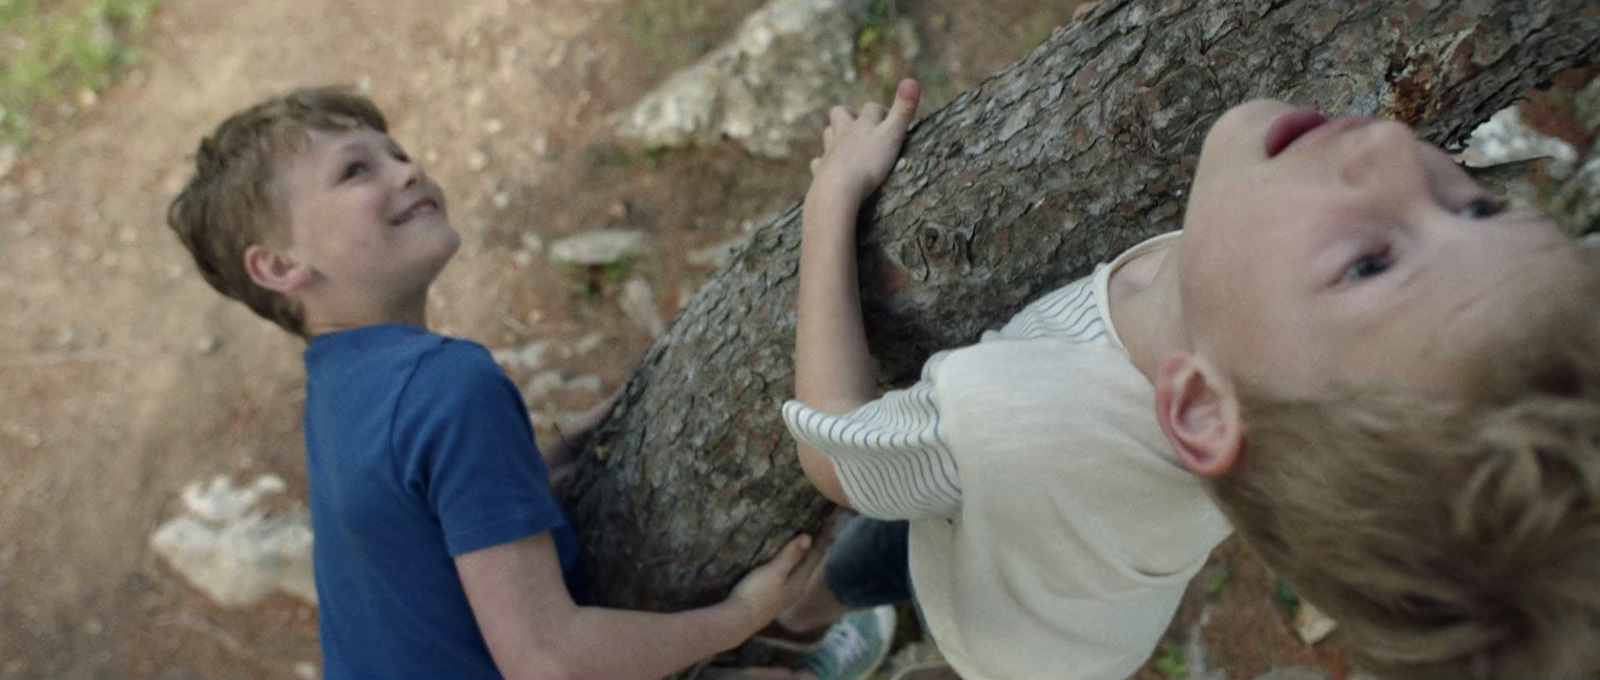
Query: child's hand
[[859, 149], [773, 586]]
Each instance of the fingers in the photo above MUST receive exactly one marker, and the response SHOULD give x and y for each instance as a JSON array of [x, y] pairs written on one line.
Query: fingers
[[872, 113], [840, 116], [789, 557], [906, 97]]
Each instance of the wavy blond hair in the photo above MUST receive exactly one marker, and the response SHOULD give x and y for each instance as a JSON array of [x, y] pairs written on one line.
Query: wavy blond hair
[[1452, 539]]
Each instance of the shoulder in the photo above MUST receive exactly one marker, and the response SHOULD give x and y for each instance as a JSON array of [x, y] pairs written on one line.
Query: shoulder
[[453, 372]]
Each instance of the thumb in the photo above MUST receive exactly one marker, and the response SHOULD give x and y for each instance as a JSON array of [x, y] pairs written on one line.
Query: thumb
[[905, 102]]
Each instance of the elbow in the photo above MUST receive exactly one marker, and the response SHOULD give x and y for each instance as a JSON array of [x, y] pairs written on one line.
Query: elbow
[[819, 470]]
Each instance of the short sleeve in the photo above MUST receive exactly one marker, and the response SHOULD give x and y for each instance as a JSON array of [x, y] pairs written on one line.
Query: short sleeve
[[891, 454], [466, 448]]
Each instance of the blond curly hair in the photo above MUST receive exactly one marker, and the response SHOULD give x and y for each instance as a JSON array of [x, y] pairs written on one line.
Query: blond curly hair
[[1452, 538]]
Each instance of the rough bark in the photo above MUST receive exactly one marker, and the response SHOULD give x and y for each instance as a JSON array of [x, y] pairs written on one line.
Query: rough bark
[[1075, 152]]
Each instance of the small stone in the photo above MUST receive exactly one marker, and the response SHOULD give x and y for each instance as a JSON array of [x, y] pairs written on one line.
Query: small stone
[[541, 146], [87, 98], [208, 345], [1311, 624], [478, 161], [542, 385], [476, 97], [639, 304], [532, 242], [93, 627], [65, 335], [364, 84], [589, 343], [522, 258], [587, 383], [493, 126], [597, 248], [306, 670], [715, 254], [617, 211], [501, 200]]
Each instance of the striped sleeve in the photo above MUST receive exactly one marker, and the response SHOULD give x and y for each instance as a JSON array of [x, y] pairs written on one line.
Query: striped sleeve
[[891, 454]]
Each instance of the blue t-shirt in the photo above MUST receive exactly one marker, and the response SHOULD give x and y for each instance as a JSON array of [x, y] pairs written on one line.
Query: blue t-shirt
[[418, 450]]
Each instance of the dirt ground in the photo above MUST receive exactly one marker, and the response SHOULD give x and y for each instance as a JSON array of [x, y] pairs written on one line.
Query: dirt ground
[[123, 377]]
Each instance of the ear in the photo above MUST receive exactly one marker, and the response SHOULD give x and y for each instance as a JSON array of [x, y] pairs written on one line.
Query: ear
[[1199, 413], [274, 270]]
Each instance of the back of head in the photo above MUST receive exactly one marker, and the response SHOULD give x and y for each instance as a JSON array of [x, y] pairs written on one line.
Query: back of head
[[1451, 538], [234, 199]]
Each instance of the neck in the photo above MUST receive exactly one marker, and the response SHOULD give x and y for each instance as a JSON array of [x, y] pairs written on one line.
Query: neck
[[1148, 311], [320, 320]]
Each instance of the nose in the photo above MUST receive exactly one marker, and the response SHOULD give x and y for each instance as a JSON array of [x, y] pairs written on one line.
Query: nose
[[1384, 153], [410, 172]]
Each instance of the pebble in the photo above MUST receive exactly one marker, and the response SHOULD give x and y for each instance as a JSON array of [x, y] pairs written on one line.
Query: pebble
[[522, 258], [589, 343], [587, 383], [542, 385], [306, 670], [208, 345], [494, 126], [476, 97], [639, 304], [478, 161], [532, 242], [501, 200], [541, 145]]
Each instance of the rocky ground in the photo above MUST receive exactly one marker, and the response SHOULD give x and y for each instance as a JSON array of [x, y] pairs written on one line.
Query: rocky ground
[[123, 378]]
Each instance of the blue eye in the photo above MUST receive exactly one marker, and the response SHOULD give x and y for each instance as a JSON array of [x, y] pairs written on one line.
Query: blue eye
[[1367, 266], [1482, 208]]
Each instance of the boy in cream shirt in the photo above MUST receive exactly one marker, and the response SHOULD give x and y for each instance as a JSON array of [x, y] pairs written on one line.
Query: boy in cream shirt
[[1045, 495]]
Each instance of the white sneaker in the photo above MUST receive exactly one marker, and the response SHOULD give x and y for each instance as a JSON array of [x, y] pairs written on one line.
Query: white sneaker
[[855, 646]]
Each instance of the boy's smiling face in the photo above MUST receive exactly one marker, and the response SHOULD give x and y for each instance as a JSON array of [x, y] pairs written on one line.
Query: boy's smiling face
[[369, 224], [1349, 252]]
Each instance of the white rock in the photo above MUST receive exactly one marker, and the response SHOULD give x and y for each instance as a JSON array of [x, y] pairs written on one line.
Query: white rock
[[600, 247], [589, 343], [1311, 624], [231, 551], [528, 357], [766, 88], [540, 387], [1504, 138], [306, 670], [478, 161], [638, 303], [717, 253], [586, 383]]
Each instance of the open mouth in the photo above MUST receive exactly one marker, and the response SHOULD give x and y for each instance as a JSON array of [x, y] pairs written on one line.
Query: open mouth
[[426, 206], [1290, 127]]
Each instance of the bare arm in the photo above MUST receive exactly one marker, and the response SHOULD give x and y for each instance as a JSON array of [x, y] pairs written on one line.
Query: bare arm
[[535, 631], [833, 371]]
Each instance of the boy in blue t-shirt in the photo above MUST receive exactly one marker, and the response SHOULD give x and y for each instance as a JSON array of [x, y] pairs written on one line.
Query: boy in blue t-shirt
[[441, 551]]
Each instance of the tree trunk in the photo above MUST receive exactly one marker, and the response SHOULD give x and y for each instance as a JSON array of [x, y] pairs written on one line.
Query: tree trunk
[[1079, 150]]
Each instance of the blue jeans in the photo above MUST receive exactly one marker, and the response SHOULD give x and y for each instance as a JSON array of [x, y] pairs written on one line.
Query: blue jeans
[[869, 564]]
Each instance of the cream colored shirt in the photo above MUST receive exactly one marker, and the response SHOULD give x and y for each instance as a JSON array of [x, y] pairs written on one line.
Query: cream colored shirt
[[1052, 531]]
